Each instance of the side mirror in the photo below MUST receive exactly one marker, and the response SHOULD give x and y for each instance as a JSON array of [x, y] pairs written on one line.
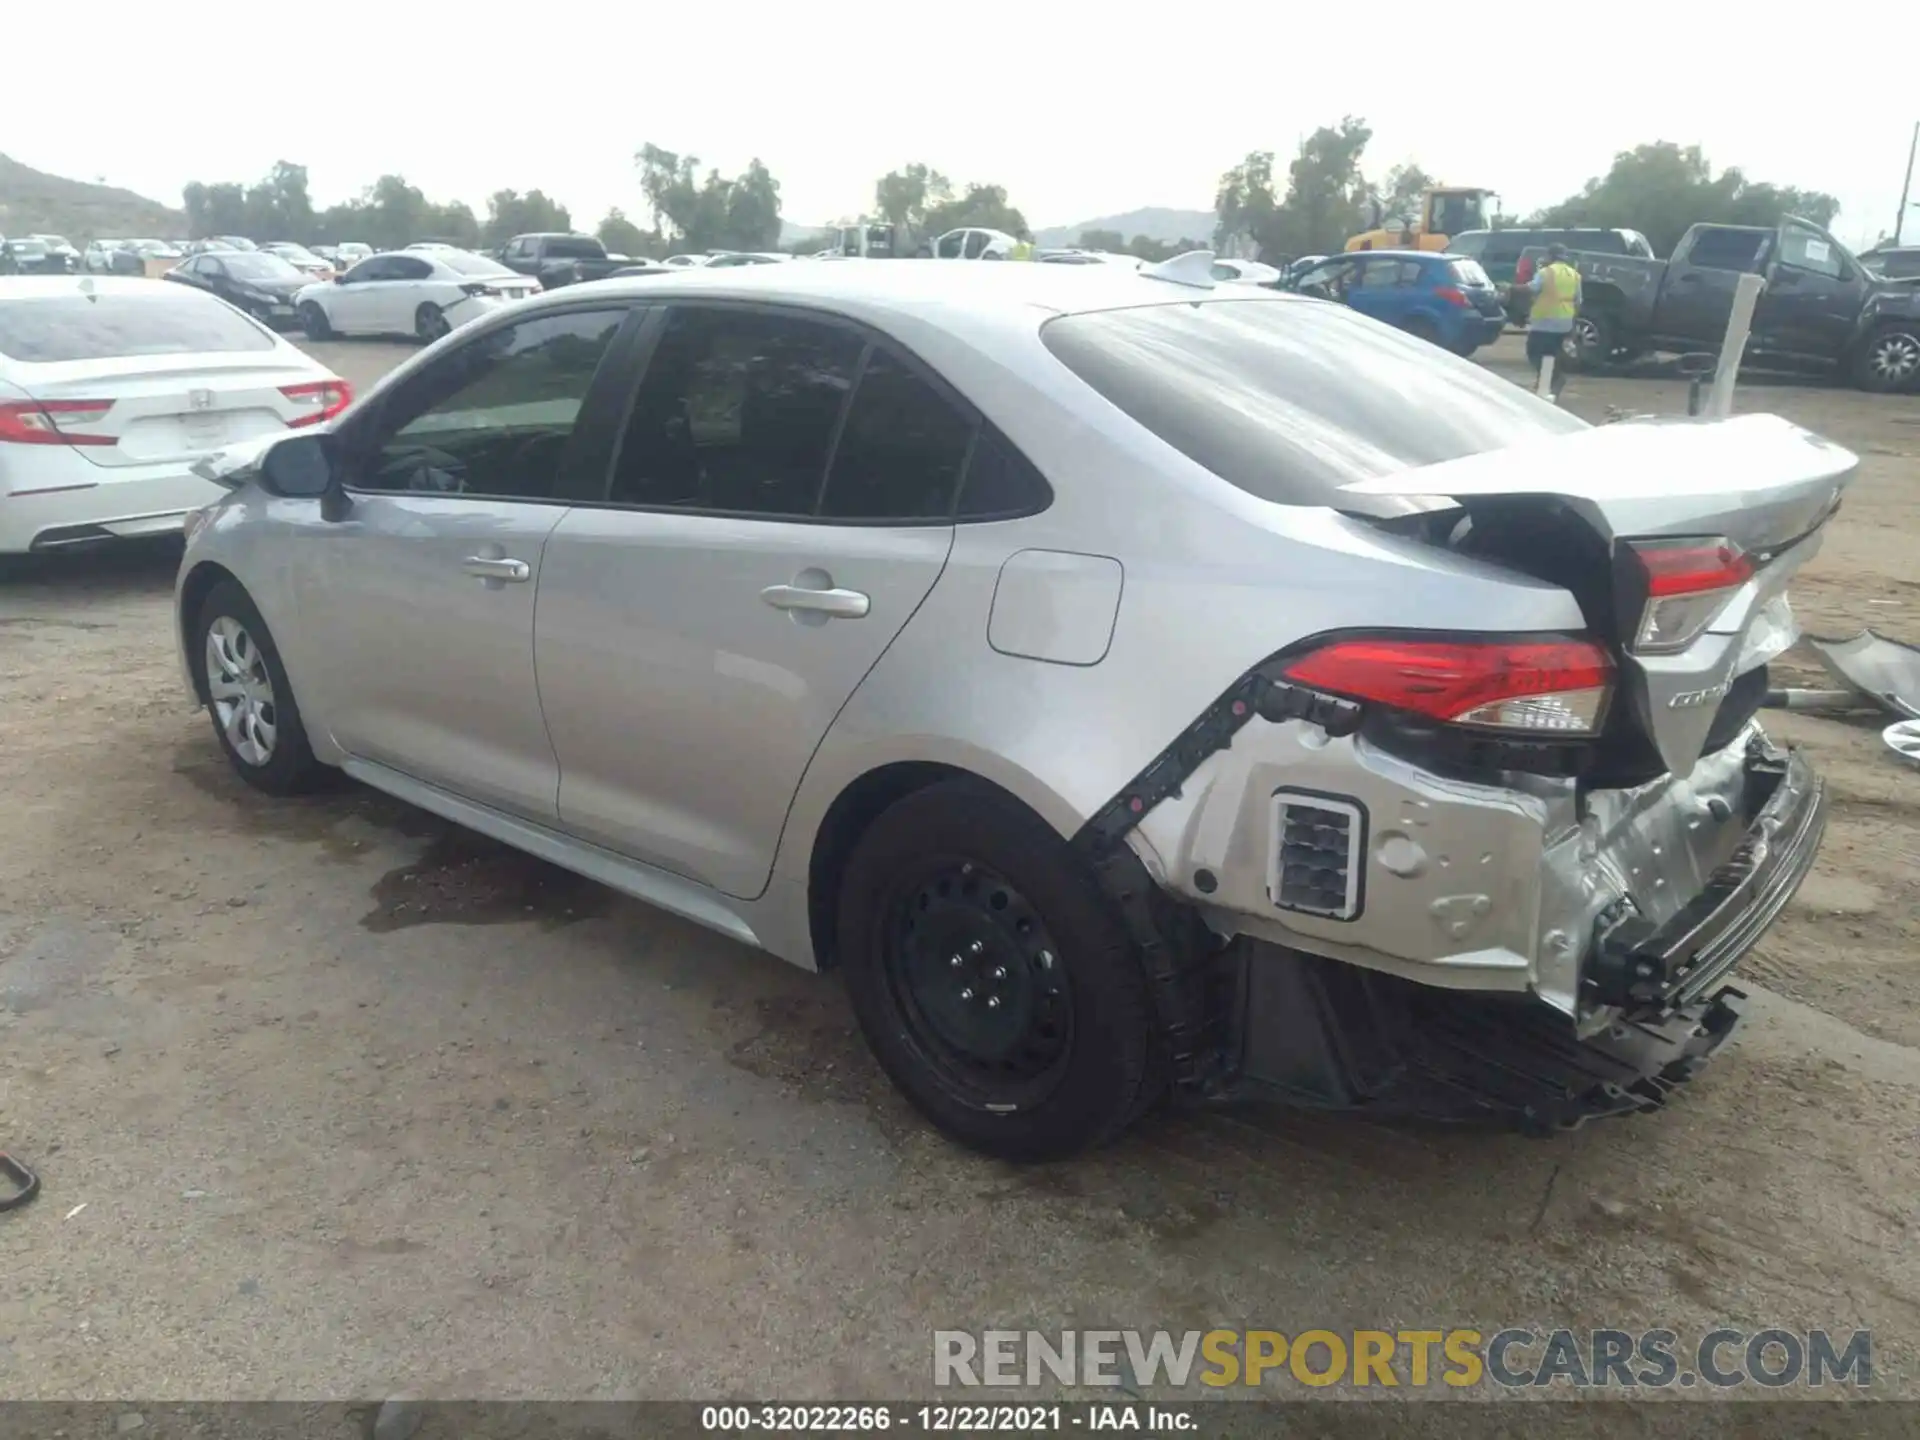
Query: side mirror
[[301, 467]]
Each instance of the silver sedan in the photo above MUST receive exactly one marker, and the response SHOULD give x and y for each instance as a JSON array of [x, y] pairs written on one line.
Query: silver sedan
[[1135, 685]]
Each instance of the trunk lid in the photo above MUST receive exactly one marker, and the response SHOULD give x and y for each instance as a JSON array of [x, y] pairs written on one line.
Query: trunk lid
[[1758, 481], [167, 408]]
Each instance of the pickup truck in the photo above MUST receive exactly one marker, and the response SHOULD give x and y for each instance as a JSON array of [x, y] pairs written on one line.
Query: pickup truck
[[555, 260], [1822, 309]]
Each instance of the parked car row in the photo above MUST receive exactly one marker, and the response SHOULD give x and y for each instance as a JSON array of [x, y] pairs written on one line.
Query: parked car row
[[37, 255]]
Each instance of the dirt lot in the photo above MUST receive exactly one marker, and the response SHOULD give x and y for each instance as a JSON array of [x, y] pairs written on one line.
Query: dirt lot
[[332, 1099]]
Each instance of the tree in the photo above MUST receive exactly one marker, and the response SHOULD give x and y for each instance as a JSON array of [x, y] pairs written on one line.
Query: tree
[[455, 222], [1102, 240], [1661, 188], [902, 197], [622, 237], [1402, 194], [982, 206], [1325, 202], [278, 207], [215, 209], [715, 213], [1153, 251], [509, 213]]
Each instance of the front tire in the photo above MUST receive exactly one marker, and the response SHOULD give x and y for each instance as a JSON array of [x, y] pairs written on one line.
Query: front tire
[[992, 978], [314, 321], [1888, 360], [430, 324], [249, 697]]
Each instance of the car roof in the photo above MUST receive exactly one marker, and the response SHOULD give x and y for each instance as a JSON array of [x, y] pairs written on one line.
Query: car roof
[[979, 296]]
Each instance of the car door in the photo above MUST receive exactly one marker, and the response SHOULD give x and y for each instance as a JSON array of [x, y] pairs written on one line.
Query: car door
[[352, 302], [1696, 296], [1813, 297], [698, 632], [423, 595], [395, 300], [1376, 290]]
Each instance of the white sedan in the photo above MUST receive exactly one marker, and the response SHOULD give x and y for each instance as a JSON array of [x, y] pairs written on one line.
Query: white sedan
[[112, 388], [426, 293]]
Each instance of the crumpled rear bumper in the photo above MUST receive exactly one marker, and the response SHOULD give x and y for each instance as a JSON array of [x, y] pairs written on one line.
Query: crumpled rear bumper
[[1317, 1032]]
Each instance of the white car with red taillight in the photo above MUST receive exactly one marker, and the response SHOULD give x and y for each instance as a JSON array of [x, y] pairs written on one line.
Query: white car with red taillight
[[111, 389], [424, 293]]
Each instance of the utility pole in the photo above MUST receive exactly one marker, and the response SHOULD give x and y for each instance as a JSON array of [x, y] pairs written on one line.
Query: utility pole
[[1906, 185]]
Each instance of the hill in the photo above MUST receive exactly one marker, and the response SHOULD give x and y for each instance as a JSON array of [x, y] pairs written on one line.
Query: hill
[[31, 201], [1156, 222]]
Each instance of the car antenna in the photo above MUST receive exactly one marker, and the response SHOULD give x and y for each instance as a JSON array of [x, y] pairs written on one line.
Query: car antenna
[[1194, 268]]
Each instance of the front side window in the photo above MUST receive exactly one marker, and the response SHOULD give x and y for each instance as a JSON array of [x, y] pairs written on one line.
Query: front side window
[[976, 244], [1804, 249], [494, 417], [950, 245], [737, 413]]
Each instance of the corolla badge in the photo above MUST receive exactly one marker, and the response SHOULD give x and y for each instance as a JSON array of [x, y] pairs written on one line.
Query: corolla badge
[[1693, 699]]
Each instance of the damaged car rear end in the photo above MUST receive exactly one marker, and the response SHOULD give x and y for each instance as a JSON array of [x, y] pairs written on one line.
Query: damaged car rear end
[[1488, 831]]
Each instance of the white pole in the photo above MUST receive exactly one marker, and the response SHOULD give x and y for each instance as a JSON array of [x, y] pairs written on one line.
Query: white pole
[[1746, 294], [1545, 388]]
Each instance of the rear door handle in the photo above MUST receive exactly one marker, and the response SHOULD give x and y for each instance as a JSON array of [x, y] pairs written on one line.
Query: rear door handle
[[837, 604], [488, 568]]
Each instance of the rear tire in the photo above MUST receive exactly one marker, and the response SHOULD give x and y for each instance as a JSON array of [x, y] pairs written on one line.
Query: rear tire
[[1888, 360], [430, 324], [249, 696], [992, 978], [313, 320], [1592, 342]]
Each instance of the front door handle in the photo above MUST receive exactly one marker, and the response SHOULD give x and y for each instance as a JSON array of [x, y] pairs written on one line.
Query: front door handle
[[835, 604], [489, 568]]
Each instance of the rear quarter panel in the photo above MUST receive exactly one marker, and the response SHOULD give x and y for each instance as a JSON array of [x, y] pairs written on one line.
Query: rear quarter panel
[[1214, 581]]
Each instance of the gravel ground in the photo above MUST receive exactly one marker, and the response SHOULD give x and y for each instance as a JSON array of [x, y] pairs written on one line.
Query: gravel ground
[[332, 1099]]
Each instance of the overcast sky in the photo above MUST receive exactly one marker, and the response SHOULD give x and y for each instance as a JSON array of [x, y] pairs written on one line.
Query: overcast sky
[[1078, 110]]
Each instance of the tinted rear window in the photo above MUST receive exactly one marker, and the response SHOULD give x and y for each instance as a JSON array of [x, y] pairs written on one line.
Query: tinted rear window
[[464, 263], [570, 248], [1468, 272], [71, 327], [1289, 400]]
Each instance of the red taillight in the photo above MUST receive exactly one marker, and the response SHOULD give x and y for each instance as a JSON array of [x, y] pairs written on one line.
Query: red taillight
[[1523, 272], [46, 422], [327, 397], [1452, 296], [1560, 686], [1688, 582]]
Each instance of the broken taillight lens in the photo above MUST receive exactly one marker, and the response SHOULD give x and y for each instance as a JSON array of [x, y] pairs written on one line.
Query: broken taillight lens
[[1686, 584], [1556, 686]]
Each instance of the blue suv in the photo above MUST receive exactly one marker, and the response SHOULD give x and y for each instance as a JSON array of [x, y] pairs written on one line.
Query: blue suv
[[1447, 299]]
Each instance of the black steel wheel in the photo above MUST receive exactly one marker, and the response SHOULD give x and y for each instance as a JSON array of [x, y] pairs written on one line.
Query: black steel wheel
[[993, 979], [980, 986]]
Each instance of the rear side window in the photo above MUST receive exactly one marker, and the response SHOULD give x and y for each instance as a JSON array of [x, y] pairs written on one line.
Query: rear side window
[[901, 451], [1717, 249], [172, 321], [737, 413], [1504, 247], [1291, 399]]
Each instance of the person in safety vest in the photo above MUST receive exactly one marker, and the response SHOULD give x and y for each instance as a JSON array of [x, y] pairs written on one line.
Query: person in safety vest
[[1556, 300]]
